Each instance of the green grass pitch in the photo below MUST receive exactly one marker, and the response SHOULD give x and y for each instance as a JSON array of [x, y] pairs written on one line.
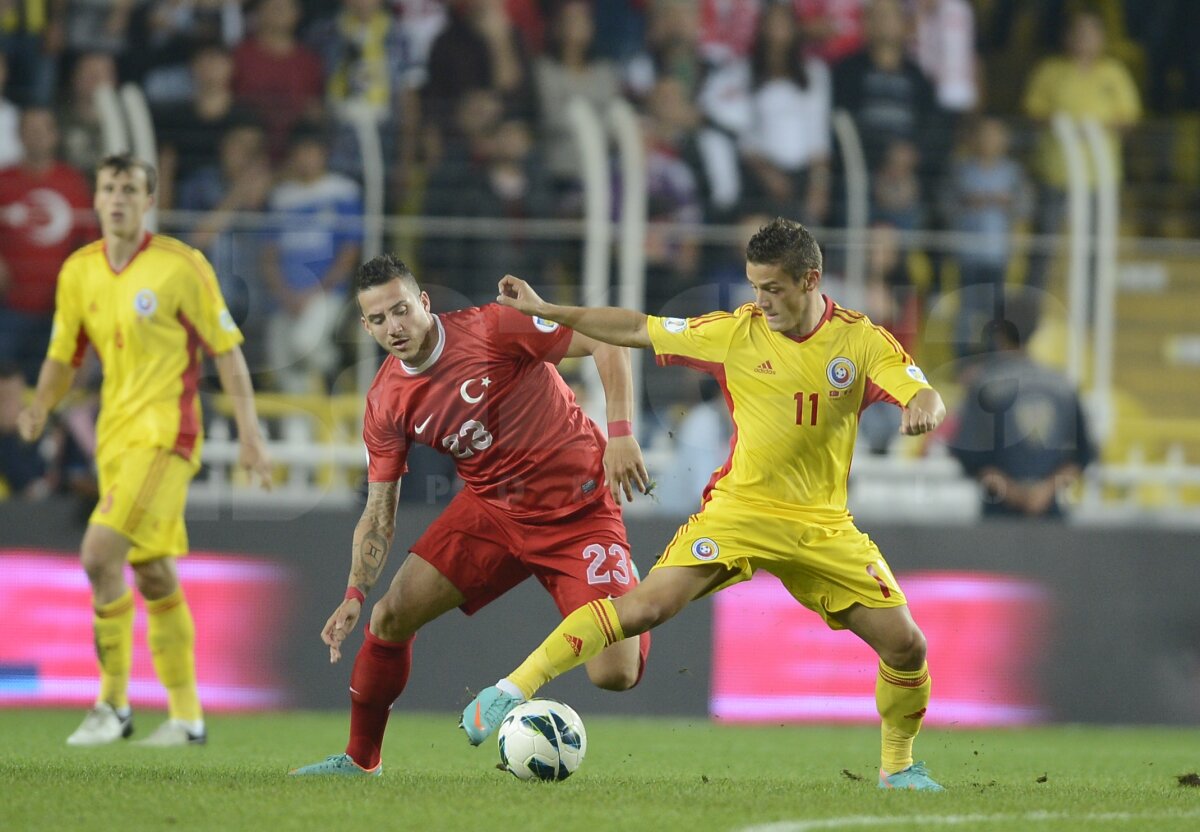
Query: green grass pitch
[[640, 774]]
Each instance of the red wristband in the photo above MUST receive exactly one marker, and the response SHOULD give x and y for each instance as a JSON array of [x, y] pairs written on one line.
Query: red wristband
[[622, 428], [355, 593]]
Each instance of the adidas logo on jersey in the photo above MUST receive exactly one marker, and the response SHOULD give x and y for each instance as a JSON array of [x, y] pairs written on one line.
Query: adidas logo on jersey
[[765, 367]]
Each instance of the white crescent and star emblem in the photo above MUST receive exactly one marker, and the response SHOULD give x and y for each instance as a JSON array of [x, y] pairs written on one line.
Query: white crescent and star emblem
[[466, 396]]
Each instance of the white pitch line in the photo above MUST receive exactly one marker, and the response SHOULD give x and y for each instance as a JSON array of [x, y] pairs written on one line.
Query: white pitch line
[[853, 821]]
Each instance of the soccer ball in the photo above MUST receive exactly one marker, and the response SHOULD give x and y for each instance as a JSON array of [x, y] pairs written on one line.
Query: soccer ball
[[542, 740]]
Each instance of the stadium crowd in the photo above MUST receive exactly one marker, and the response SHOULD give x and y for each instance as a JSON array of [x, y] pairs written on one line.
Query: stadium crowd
[[251, 104]]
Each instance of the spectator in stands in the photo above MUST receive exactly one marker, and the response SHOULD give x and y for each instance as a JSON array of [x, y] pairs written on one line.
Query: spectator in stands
[[833, 29], [1085, 84], [166, 33], [31, 40], [44, 205], [672, 50], [275, 75], [420, 22], [504, 181], [786, 141], [98, 25], [217, 194], [10, 117], [944, 47], [725, 269], [365, 60], [307, 263], [886, 93], [478, 49], [79, 118], [568, 69], [621, 30], [896, 188], [189, 133], [986, 196], [1167, 30], [673, 195], [728, 29], [1021, 428]]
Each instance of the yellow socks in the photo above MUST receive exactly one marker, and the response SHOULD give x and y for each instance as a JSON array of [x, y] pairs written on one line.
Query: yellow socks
[[901, 696], [172, 637], [581, 636], [113, 627]]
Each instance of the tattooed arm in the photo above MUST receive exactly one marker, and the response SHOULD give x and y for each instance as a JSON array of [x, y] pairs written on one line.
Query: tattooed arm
[[372, 540]]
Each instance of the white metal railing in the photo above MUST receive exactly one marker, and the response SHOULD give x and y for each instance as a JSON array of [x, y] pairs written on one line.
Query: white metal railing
[[1104, 284], [1079, 221], [858, 204]]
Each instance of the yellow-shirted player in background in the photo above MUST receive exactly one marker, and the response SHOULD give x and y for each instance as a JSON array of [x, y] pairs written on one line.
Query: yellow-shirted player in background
[[150, 306], [796, 370]]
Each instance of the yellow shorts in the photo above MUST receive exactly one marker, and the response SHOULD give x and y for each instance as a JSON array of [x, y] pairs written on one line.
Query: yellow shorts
[[827, 567], [143, 492]]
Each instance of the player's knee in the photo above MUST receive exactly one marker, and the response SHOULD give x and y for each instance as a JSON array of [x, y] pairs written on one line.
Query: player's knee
[[99, 566], [154, 580], [907, 650], [388, 620], [645, 614], [615, 678]]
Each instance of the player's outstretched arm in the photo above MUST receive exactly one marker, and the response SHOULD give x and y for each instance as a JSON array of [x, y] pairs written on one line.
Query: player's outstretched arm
[[923, 413], [54, 380], [610, 324], [235, 381], [624, 466], [368, 554]]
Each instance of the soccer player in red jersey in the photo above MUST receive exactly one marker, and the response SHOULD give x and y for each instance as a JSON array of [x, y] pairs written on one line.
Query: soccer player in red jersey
[[542, 487]]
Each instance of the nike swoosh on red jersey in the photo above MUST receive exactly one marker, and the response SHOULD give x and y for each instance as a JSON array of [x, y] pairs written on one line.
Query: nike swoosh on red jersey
[[421, 427]]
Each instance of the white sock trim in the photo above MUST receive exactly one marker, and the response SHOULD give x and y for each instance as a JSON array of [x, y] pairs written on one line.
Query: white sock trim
[[511, 689]]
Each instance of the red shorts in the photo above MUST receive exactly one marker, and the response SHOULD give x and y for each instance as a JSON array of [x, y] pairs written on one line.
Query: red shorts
[[578, 558], [482, 551]]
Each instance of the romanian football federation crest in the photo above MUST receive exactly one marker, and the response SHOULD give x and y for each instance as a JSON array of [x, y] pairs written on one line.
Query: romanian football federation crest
[[145, 302], [841, 372], [705, 548]]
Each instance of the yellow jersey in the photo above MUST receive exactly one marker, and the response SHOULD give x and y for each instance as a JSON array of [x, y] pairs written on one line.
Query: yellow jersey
[[794, 401], [148, 323]]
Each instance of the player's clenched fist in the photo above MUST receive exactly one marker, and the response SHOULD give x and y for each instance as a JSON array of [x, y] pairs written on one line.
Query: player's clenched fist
[[31, 422], [518, 294]]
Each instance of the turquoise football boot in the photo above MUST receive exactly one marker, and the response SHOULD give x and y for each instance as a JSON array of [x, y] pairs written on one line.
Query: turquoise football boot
[[337, 765], [483, 716], [915, 778]]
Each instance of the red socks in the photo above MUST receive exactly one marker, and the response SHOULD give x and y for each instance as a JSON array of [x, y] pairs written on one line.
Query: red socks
[[378, 678]]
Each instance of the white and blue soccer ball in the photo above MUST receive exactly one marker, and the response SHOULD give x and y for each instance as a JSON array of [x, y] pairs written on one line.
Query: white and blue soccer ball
[[542, 740]]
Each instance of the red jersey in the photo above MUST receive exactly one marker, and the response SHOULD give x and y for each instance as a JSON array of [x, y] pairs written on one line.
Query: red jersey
[[280, 88], [487, 397], [39, 230]]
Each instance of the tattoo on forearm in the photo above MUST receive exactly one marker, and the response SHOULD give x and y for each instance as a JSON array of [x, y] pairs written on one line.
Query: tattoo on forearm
[[373, 538]]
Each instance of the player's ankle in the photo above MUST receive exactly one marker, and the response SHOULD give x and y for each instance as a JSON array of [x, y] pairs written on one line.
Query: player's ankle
[[511, 689]]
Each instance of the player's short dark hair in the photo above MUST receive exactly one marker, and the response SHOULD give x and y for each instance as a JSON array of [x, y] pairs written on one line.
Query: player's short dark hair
[[787, 244], [126, 162], [384, 269]]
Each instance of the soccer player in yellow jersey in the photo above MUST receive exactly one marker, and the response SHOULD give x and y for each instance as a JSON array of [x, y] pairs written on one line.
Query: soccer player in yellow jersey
[[150, 306], [796, 369]]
